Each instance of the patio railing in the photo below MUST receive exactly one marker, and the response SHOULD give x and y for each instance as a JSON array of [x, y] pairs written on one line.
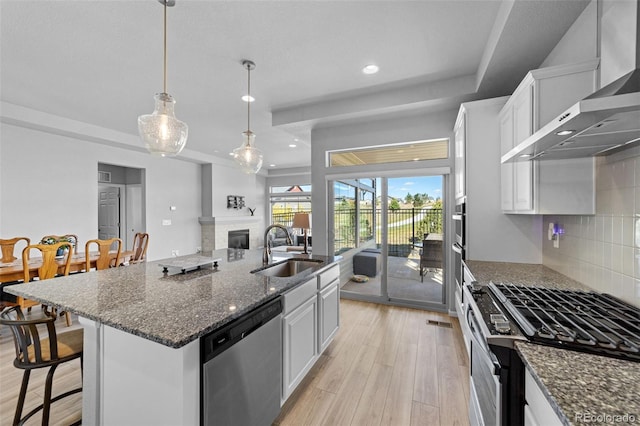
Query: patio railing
[[406, 227]]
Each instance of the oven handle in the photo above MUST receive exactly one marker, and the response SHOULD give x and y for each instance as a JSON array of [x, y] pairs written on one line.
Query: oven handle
[[489, 357], [457, 248], [456, 216]]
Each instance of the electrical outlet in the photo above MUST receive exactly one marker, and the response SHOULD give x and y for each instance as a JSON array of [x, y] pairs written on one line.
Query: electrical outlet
[[175, 253], [166, 222]]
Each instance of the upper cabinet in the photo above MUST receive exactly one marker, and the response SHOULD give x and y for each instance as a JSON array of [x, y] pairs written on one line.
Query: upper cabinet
[[550, 186], [459, 147]]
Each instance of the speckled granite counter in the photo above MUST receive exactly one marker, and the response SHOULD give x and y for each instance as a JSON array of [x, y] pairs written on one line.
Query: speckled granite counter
[[522, 274], [576, 384], [579, 385], [171, 309]]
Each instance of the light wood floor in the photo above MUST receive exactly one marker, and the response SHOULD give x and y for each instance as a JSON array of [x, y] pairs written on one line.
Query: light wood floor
[[386, 366]]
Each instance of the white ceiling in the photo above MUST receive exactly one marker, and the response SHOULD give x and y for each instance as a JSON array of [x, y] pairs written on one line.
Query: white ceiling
[[100, 62]]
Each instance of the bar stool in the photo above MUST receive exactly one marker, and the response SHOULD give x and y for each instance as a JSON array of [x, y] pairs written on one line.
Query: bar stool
[[33, 352]]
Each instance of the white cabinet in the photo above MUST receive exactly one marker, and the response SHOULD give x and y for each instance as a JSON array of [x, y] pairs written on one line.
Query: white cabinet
[[459, 148], [537, 410], [540, 97], [328, 314], [311, 321], [300, 344]]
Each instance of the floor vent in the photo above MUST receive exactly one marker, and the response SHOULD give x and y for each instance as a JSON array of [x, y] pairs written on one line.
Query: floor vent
[[439, 323]]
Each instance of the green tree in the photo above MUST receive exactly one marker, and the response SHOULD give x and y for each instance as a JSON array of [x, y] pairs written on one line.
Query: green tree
[[394, 205], [408, 199], [418, 200]]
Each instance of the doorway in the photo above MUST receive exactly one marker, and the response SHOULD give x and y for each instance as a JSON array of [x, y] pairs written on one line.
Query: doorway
[[394, 237], [121, 201]]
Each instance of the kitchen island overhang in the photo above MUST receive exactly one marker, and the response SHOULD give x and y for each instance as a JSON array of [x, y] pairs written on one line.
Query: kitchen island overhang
[[142, 330]]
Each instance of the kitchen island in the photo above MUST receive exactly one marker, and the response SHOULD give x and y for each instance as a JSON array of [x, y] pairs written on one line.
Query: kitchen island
[[578, 387], [143, 326]]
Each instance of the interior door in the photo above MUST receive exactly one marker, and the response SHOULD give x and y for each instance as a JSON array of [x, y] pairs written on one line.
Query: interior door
[[108, 212]]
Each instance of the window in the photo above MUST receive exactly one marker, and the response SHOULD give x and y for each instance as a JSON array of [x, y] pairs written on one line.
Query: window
[[287, 201], [397, 153], [354, 213]]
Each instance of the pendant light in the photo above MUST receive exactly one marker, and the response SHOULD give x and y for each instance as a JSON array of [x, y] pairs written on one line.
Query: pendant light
[[162, 133], [248, 157]]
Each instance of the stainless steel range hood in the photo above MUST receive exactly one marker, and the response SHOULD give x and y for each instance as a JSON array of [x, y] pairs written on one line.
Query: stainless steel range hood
[[603, 122]]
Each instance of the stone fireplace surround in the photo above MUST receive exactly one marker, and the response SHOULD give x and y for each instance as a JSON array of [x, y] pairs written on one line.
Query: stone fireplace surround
[[214, 231]]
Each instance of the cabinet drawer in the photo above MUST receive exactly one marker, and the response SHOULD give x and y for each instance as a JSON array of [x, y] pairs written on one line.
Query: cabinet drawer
[[328, 276], [299, 295]]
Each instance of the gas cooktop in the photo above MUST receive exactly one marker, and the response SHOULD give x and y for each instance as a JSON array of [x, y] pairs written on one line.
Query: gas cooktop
[[573, 319]]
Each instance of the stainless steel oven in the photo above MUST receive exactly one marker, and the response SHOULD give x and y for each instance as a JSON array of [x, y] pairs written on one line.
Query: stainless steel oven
[[458, 246], [485, 387], [497, 373]]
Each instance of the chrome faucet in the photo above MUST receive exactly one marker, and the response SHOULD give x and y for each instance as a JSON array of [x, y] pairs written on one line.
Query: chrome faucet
[[266, 254]]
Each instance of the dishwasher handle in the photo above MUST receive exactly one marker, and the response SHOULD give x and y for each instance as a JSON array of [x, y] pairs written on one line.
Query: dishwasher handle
[[220, 340]]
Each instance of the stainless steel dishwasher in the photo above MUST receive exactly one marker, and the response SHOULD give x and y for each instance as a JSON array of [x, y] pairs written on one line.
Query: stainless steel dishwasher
[[241, 377]]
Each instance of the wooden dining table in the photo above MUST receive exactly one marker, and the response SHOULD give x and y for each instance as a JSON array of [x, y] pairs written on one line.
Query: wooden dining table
[[14, 271]]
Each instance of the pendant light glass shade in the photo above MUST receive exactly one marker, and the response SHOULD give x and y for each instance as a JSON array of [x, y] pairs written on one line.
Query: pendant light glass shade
[[248, 157], [162, 133]]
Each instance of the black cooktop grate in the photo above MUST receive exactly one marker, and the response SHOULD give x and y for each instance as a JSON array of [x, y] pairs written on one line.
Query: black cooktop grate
[[586, 321]]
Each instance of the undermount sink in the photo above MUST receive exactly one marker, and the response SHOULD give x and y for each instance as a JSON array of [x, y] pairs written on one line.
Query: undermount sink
[[288, 268]]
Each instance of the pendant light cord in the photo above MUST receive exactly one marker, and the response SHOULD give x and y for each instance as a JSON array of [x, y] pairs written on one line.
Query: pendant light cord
[[164, 82], [249, 97]]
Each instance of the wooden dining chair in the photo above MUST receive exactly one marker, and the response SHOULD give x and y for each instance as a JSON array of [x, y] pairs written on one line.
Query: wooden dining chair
[[33, 352], [67, 236], [49, 268], [140, 244], [105, 255], [8, 247]]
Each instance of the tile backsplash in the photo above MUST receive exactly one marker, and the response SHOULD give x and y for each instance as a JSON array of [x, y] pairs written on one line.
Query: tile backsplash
[[603, 251]]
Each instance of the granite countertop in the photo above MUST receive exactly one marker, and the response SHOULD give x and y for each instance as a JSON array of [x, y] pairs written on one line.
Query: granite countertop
[[580, 386], [526, 274], [576, 384], [171, 308]]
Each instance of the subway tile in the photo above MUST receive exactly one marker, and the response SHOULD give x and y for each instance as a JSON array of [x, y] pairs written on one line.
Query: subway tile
[[628, 288], [598, 254], [616, 229], [628, 260], [627, 202], [599, 228], [628, 235], [615, 286], [606, 255], [616, 257], [636, 263], [636, 202], [607, 229]]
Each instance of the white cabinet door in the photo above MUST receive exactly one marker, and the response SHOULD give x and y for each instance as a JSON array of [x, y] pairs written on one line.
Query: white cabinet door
[[328, 314], [506, 170], [300, 344], [522, 170], [459, 165], [538, 410]]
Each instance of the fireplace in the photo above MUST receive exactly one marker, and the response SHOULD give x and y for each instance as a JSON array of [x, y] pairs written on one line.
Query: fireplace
[[239, 239]]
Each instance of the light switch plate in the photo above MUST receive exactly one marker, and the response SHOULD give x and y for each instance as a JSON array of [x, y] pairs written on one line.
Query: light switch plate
[[166, 222]]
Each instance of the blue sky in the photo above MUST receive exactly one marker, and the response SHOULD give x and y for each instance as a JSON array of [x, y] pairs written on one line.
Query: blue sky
[[432, 185]]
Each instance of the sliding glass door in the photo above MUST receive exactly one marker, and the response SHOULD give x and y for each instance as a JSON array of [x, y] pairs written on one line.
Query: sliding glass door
[[392, 231]]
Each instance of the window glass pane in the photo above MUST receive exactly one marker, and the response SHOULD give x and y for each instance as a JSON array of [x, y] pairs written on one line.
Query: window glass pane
[[345, 218], [398, 153], [289, 200], [366, 216]]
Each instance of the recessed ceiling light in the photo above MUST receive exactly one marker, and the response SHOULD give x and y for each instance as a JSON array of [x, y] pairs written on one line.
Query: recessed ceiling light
[[565, 132], [370, 69], [416, 159], [292, 145], [525, 155], [248, 98], [272, 165]]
